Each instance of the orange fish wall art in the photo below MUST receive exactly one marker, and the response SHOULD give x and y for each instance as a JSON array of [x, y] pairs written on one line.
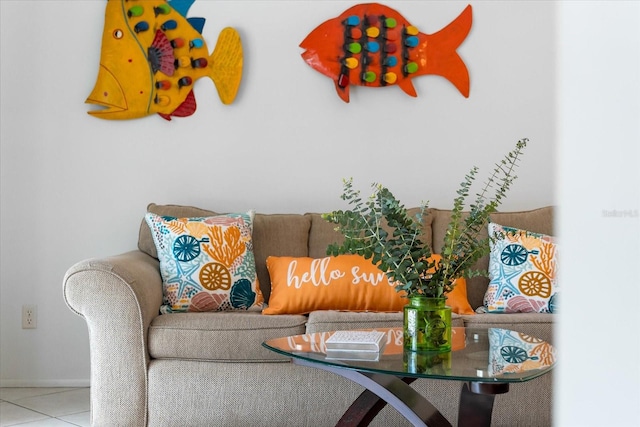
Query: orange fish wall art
[[152, 55], [373, 45]]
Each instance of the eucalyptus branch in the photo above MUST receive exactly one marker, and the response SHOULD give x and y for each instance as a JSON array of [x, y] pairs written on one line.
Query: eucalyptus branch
[[479, 215], [400, 253]]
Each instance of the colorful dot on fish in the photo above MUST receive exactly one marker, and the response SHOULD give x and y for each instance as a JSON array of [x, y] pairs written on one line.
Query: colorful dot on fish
[[373, 32], [196, 43], [390, 78], [199, 63], [162, 100], [369, 77], [169, 25], [177, 43], [356, 33], [185, 81], [352, 21], [163, 9], [411, 67], [343, 80], [183, 61], [354, 47], [390, 61], [163, 84], [351, 63], [411, 41], [141, 27], [411, 30], [390, 48], [135, 11]]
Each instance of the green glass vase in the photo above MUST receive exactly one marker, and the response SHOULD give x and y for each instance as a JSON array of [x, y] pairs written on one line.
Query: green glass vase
[[427, 362], [427, 325]]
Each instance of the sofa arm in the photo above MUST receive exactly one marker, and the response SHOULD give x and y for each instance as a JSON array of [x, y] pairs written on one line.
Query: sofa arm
[[118, 297]]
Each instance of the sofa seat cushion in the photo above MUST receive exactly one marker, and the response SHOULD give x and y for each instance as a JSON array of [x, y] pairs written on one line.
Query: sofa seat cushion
[[538, 325], [220, 336], [331, 320]]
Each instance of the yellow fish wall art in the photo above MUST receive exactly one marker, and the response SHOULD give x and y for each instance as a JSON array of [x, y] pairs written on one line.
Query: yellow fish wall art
[[152, 55]]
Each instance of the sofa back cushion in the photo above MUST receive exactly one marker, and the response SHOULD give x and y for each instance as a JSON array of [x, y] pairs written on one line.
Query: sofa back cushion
[[273, 235], [278, 235], [537, 220]]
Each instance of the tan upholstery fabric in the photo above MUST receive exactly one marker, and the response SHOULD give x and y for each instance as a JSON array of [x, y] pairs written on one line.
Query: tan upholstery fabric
[[330, 320], [278, 235], [321, 235], [222, 336], [537, 220], [118, 297], [283, 394]]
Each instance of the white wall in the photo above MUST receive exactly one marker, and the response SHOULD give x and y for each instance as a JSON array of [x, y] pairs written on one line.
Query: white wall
[[75, 187], [598, 377]]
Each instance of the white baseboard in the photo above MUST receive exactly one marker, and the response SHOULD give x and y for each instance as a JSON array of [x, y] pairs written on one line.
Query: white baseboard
[[45, 383]]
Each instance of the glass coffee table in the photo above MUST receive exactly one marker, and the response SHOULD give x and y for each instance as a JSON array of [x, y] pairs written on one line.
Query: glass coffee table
[[486, 361]]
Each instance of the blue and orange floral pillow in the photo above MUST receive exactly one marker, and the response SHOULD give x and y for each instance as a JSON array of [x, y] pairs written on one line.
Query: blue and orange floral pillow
[[522, 272], [206, 263]]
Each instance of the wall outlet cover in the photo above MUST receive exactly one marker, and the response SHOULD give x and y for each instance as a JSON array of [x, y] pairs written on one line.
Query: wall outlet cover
[[29, 317]]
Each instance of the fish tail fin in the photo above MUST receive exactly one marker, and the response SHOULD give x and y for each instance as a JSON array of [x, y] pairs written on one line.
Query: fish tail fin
[[442, 58], [226, 68]]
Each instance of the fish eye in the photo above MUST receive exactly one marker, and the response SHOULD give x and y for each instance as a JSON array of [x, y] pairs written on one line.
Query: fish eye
[[117, 34]]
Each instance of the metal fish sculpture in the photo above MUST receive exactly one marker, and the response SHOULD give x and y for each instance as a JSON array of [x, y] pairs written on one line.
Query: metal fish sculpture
[[373, 45], [151, 57]]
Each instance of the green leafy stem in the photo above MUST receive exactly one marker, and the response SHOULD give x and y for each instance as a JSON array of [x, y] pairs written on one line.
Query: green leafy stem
[[381, 230]]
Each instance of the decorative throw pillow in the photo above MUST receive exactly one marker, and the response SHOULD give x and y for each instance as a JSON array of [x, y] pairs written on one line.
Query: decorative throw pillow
[[522, 272], [207, 263], [344, 282]]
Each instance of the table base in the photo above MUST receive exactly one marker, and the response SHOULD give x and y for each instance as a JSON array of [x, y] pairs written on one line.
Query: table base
[[475, 408]]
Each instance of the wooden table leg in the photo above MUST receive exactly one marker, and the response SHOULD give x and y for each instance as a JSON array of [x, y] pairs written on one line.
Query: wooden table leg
[[476, 403], [364, 409]]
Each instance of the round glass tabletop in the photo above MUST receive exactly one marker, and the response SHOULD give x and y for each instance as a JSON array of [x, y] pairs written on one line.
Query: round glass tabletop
[[477, 355]]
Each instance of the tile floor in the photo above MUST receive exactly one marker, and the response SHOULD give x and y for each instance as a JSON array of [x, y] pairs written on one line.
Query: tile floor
[[44, 407]]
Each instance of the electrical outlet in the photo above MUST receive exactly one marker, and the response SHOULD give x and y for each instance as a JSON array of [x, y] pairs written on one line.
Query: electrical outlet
[[29, 316]]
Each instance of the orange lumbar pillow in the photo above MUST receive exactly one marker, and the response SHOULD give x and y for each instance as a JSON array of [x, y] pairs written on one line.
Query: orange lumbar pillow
[[300, 285]]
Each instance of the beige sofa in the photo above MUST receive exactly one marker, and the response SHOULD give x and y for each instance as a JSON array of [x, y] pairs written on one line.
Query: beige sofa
[[209, 369]]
